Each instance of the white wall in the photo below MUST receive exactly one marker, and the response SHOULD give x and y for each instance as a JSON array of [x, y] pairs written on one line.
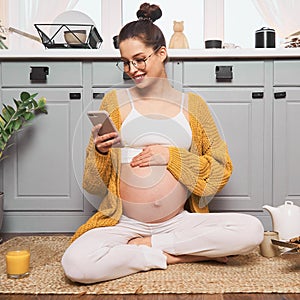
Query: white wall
[[241, 19]]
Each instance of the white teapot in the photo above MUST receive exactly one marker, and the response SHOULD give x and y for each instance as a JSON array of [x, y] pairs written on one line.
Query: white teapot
[[285, 219]]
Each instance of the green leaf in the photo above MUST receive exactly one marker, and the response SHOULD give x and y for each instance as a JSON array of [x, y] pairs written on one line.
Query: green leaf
[[17, 124], [2, 120], [35, 104], [30, 105], [10, 109], [26, 102], [24, 96], [33, 96], [1, 139], [6, 115], [2, 144], [28, 116], [5, 136], [20, 113], [10, 127], [17, 103]]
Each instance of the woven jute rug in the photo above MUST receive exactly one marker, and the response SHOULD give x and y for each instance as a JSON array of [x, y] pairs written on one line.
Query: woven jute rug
[[250, 273]]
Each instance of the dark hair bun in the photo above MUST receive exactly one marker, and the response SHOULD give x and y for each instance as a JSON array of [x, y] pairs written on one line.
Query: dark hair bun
[[151, 12]]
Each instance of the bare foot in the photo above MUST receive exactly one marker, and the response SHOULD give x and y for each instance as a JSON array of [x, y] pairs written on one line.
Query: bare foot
[[173, 259], [223, 259], [141, 241]]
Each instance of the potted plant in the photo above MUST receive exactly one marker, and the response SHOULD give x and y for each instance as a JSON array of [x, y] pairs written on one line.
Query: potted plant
[[12, 119], [2, 37]]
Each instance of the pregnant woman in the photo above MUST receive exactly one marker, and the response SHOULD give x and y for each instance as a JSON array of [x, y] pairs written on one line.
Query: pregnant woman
[[157, 187]]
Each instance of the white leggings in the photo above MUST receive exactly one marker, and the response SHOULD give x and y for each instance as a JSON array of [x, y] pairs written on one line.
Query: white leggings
[[103, 253]]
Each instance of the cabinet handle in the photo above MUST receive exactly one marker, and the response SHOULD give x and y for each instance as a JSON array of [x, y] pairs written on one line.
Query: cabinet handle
[[75, 96], [39, 73], [280, 95], [257, 95], [224, 73], [98, 96]]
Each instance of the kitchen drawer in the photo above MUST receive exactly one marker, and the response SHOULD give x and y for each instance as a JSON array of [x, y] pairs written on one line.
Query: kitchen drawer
[[42, 73], [287, 73], [107, 74], [223, 73]]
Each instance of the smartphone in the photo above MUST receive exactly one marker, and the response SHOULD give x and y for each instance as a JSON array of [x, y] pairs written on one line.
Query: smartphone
[[102, 117]]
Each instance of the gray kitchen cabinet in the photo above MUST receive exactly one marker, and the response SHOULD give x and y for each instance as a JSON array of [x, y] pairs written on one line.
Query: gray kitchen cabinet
[[255, 103], [45, 160], [39, 168], [286, 142], [240, 119], [236, 100]]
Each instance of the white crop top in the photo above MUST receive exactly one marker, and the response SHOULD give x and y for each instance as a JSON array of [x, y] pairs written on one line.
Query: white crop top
[[138, 131]]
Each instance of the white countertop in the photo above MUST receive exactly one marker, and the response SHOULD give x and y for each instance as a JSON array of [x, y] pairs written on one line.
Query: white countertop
[[198, 54]]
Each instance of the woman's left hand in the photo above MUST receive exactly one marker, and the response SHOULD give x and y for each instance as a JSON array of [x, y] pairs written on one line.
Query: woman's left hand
[[154, 155]]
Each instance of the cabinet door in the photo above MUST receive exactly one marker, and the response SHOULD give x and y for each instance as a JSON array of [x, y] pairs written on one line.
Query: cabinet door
[[240, 120], [286, 145], [45, 159]]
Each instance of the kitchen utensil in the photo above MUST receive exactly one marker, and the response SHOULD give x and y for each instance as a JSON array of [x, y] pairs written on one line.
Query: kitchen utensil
[[25, 34], [294, 246], [265, 38], [285, 219], [291, 255]]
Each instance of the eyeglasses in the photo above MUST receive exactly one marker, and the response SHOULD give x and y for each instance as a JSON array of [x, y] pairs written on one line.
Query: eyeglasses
[[139, 64]]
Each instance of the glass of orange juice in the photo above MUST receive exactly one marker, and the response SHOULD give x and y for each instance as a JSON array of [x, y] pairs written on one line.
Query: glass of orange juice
[[18, 261]]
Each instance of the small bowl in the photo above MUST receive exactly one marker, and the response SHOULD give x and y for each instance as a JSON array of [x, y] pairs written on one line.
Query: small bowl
[[75, 37]]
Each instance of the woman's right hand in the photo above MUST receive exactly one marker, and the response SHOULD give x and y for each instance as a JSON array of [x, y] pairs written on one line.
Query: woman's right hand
[[103, 142]]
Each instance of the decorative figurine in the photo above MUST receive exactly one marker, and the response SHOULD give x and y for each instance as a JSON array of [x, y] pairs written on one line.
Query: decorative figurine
[[178, 39]]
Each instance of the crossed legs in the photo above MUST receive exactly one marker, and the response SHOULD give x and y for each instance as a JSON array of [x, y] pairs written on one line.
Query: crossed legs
[[131, 246]]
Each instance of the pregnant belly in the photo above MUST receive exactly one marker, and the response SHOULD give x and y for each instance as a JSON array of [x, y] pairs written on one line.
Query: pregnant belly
[[150, 194]]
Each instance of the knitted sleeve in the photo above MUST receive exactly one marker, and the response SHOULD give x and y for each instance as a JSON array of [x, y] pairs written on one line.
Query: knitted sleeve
[[97, 170], [100, 174], [98, 167], [206, 167]]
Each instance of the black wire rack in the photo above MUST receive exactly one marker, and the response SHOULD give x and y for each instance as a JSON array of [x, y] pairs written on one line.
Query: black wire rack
[[54, 36]]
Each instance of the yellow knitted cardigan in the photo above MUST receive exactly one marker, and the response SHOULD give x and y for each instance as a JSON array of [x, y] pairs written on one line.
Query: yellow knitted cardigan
[[204, 169]]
